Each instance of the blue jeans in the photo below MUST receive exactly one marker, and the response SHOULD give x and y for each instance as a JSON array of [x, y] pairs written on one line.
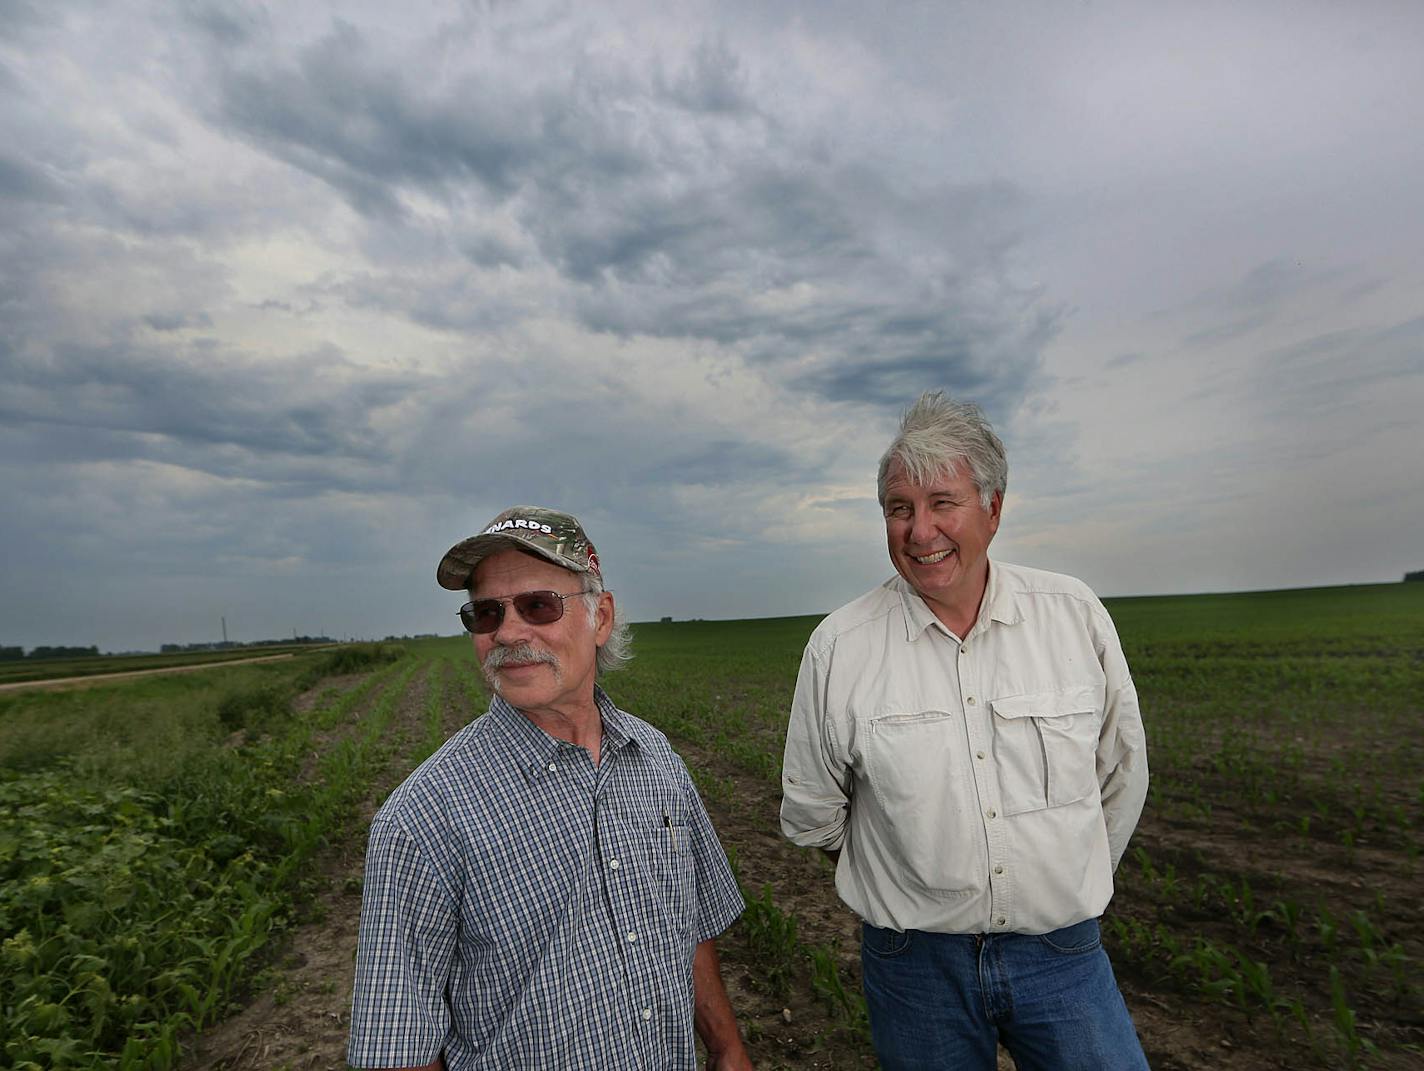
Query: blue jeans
[[945, 1000]]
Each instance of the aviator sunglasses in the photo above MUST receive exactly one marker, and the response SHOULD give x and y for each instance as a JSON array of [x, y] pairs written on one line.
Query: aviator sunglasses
[[536, 607]]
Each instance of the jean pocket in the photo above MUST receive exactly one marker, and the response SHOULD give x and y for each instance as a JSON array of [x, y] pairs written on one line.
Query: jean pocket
[[883, 943], [1085, 936]]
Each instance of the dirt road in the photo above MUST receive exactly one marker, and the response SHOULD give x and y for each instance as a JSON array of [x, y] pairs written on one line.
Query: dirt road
[[95, 678]]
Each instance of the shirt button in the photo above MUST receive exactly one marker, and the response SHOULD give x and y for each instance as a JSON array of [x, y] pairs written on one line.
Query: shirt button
[[978, 754], [632, 936], [613, 864], [552, 767], [992, 814], [971, 700], [647, 1013], [998, 870], [999, 921]]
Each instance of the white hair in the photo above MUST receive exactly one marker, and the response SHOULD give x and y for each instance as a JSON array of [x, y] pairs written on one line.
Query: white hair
[[617, 650], [936, 434]]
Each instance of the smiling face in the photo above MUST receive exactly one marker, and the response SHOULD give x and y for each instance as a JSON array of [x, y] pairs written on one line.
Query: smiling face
[[542, 669], [938, 536]]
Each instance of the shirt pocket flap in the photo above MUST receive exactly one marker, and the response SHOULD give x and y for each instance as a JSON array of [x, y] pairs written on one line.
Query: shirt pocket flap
[[1078, 699]]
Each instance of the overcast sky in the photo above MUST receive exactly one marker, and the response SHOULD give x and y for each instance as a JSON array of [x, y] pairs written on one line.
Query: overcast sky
[[294, 296]]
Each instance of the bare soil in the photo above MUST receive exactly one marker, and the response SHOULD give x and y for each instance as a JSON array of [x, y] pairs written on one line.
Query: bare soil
[[1278, 866]]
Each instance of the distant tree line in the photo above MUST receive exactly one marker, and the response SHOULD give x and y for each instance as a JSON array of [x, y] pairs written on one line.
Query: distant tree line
[[177, 648], [1415, 576], [14, 654]]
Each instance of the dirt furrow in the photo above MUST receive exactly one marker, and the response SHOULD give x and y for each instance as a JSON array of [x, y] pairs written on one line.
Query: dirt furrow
[[299, 1018]]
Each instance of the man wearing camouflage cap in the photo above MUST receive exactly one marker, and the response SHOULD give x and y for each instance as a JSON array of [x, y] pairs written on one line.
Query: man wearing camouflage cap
[[545, 891]]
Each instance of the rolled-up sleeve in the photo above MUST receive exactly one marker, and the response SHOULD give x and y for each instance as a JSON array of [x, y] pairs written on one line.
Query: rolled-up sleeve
[[815, 777], [1122, 744], [399, 1014]]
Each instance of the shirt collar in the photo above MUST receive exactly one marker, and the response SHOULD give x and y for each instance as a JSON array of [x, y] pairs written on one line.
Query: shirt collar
[[918, 615], [999, 604], [535, 750], [615, 723]]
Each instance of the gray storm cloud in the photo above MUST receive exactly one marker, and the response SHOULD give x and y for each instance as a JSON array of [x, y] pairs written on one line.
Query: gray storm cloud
[[292, 297]]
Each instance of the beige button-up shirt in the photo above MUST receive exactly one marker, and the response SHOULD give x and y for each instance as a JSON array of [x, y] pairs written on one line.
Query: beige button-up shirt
[[987, 785]]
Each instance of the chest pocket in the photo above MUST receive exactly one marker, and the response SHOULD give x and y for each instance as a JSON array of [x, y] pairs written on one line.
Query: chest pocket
[[1045, 747], [916, 766], [675, 868]]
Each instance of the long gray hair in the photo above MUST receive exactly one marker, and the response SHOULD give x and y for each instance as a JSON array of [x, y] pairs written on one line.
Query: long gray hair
[[617, 650]]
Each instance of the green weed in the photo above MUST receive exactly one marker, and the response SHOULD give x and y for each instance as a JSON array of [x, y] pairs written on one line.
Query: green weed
[[772, 943]]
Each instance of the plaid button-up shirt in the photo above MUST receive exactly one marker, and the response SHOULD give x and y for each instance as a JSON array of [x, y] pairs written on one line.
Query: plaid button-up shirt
[[524, 908]]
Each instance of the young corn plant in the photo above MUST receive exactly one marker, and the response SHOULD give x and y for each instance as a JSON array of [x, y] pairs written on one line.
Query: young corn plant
[[847, 1005], [1288, 914], [772, 942], [1213, 972], [1356, 1046]]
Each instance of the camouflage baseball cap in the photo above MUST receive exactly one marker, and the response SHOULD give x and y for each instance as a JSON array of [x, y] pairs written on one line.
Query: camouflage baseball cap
[[546, 532]]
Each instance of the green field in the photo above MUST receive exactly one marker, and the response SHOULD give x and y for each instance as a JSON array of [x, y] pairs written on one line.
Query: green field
[[157, 835]]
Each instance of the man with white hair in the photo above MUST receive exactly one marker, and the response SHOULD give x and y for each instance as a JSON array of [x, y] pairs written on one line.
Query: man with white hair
[[965, 740], [546, 889]]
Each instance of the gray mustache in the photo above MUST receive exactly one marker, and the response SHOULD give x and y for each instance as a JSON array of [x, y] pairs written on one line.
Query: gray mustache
[[520, 652]]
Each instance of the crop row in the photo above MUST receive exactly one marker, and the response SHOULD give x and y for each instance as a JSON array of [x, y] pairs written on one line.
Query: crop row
[[1306, 938]]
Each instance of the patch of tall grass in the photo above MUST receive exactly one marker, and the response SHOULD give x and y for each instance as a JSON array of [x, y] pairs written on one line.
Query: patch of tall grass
[[131, 732]]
